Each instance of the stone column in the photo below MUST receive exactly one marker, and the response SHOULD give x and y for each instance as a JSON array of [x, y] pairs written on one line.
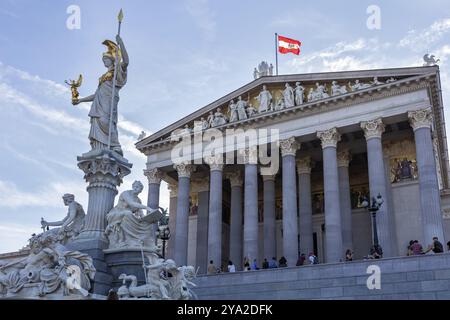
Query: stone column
[[251, 204], [289, 185], [269, 234], [421, 122], [104, 174], [343, 160], [333, 229], [236, 219], [201, 257], [154, 177], [182, 220], [215, 210], [378, 183], [305, 224], [173, 194]]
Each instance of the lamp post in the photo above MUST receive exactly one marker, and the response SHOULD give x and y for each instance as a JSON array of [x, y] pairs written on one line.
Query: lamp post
[[373, 209], [163, 233]]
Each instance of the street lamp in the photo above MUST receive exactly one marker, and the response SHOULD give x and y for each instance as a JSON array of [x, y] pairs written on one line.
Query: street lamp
[[373, 209], [163, 233]]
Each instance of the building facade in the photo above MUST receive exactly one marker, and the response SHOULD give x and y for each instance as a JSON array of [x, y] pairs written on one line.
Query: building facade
[[335, 140]]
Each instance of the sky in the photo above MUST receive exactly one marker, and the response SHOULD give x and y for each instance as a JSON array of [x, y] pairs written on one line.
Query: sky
[[184, 54]]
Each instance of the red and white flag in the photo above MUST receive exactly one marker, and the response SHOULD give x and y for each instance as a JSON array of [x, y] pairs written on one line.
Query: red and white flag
[[286, 45]]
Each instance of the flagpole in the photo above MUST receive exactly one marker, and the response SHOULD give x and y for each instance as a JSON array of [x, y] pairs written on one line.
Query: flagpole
[[116, 63], [276, 53]]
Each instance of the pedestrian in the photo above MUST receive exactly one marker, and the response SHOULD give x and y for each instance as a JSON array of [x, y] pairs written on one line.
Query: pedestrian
[[254, 265], [231, 267], [112, 295], [410, 252], [416, 248], [436, 247], [211, 268], [349, 255], [312, 258], [273, 263], [265, 264], [301, 260], [282, 262], [246, 264]]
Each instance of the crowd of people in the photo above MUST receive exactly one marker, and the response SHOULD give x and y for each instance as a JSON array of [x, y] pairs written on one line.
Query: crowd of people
[[414, 248]]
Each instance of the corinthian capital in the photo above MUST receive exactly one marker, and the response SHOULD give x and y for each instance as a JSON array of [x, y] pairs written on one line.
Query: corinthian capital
[[304, 165], [235, 178], [153, 175], [373, 128], [184, 169], [420, 118], [289, 147], [200, 185], [215, 162], [344, 158], [250, 155], [329, 138]]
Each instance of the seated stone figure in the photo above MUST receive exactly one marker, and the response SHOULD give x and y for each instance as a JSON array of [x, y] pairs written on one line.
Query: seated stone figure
[[71, 225], [127, 225]]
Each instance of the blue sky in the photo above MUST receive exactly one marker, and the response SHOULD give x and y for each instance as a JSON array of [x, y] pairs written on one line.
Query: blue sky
[[184, 54]]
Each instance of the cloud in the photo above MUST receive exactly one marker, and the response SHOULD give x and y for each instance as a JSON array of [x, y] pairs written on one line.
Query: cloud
[[203, 16], [48, 196], [419, 41]]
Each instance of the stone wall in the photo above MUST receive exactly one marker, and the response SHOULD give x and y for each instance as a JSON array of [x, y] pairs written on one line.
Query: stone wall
[[419, 277]]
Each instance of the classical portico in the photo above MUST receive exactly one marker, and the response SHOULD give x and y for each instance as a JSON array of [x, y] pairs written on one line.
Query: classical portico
[[333, 151]]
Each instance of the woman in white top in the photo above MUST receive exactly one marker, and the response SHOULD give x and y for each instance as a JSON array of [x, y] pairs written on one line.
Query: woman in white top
[[231, 267]]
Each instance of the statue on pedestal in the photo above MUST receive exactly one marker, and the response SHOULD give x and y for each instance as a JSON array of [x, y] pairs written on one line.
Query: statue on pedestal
[[71, 225], [127, 226], [160, 286], [233, 112], [240, 108], [299, 92], [288, 96], [265, 100], [100, 112]]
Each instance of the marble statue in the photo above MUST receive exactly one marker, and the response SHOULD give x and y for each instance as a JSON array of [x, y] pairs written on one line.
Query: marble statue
[[255, 74], [271, 70], [219, 118], [358, 85], [142, 135], [265, 100], [251, 111], [204, 123], [160, 286], [210, 119], [376, 82], [50, 268], [186, 130], [288, 96], [299, 92], [430, 60], [100, 111], [311, 94], [390, 80], [240, 108], [127, 226], [319, 93], [71, 225], [263, 69], [280, 104], [336, 89], [233, 111]]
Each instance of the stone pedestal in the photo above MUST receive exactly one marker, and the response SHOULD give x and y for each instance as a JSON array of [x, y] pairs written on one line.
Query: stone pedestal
[[103, 171], [126, 261]]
